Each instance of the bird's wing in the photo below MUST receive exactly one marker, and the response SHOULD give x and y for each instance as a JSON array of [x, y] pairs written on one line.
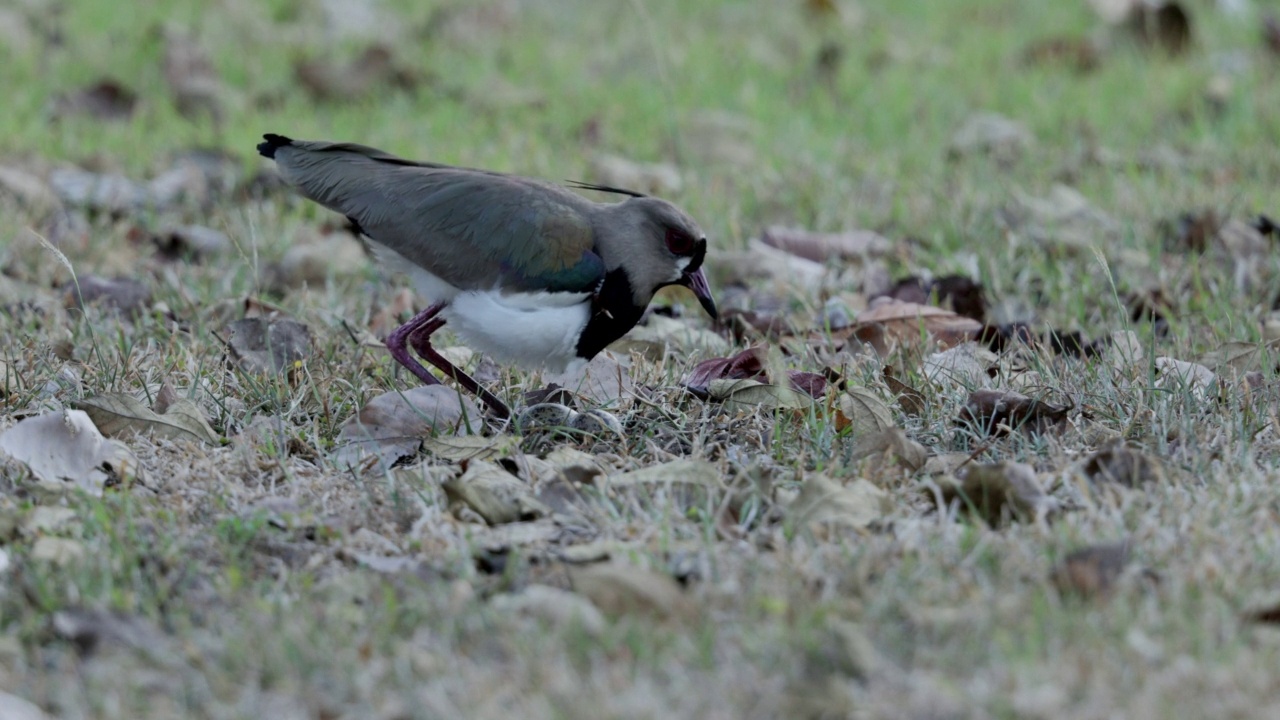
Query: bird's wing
[[471, 228]]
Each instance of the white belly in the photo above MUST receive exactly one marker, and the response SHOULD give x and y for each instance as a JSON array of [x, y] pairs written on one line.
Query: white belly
[[529, 329]]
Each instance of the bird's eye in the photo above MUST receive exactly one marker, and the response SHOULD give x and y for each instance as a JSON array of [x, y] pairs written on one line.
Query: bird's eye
[[679, 242]]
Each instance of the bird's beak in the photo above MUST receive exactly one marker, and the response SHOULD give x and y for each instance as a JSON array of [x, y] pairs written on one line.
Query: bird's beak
[[697, 282]]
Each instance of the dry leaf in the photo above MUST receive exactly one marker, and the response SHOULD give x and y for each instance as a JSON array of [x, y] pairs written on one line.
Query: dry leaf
[[66, 447], [1162, 24], [1000, 492], [558, 608], [13, 707], [265, 346], [996, 412], [602, 381], [105, 99], [620, 589], [374, 70], [750, 364], [855, 245], [689, 472], [649, 178], [1178, 375], [964, 365], [991, 134], [193, 80], [1242, 357], [112, 194], [118, 413], [495, 494], [468, 447], [889, 324], [393, 425], [1091, 572], [891, 445], [823, 501], [190, 242], [1123, 466], [57, 551], [911, 401], [124, 295], [747, 395], [29, 190], [659, 334], [962, 294], [861, 412]]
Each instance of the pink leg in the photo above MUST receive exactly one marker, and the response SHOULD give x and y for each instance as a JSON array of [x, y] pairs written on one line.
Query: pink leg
[[398, 341], [419, 337]]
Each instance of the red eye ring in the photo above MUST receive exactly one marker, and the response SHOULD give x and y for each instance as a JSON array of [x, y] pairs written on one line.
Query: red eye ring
[[679, 242]]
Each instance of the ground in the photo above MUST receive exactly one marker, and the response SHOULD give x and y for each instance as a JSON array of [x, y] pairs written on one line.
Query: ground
[[841, 541]]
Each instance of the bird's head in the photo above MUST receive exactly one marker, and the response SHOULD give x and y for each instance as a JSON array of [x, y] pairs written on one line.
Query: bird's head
[[657, 244]]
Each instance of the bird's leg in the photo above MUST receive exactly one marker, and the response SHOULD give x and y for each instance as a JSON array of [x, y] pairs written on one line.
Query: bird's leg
[[398, 342], [420, 340]]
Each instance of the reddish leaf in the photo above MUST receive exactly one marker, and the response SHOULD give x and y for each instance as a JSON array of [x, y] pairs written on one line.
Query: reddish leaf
[[748, 365]]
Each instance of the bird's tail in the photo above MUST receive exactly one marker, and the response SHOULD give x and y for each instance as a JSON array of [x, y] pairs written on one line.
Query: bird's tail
[[273, 142]]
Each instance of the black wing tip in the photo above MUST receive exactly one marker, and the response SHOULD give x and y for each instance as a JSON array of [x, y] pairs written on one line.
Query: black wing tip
[[273, 142], [605, 188]]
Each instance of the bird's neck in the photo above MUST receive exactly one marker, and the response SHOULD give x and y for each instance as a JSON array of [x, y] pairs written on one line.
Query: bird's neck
[[613, 313]]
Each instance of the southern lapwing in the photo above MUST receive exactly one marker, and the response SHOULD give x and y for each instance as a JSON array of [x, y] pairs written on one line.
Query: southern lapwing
[[523, 270]]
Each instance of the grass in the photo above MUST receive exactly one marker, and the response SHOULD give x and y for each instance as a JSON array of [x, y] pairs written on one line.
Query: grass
[[240, 578]]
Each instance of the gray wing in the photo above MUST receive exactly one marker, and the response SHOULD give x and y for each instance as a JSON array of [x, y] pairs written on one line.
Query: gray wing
[[469, 227]]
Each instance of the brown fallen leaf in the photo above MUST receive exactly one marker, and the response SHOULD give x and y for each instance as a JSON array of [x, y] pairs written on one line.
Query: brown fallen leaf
[[750, 364], [860, 412], [1163, 25], [751, 326], [66, 447], [127, 296], [561, 609], [891, 445], [1091, 572], [470, 447], [191, 243], [1077, 53], [1242, 357], [91, 629], [1000, 492], [824, 503], [620, 589], [264, 345], [1123, 466], [889, 325], [393, 425], [13, 707], [605, 380], [193, 81], [964, 296], [29, 190], [648, 178], [375, 69], [997, 412], [1271, 34], [990, 134], [494, 494], [824, 247], [911, 400], [746, 395], [114, 195], [119, 413], [106, 99]]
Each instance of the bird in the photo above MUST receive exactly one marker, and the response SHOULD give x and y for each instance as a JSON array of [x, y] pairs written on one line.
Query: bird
[[526, 271]]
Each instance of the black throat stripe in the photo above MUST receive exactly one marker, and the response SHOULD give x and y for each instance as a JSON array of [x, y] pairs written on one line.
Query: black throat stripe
[[613, 313]]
